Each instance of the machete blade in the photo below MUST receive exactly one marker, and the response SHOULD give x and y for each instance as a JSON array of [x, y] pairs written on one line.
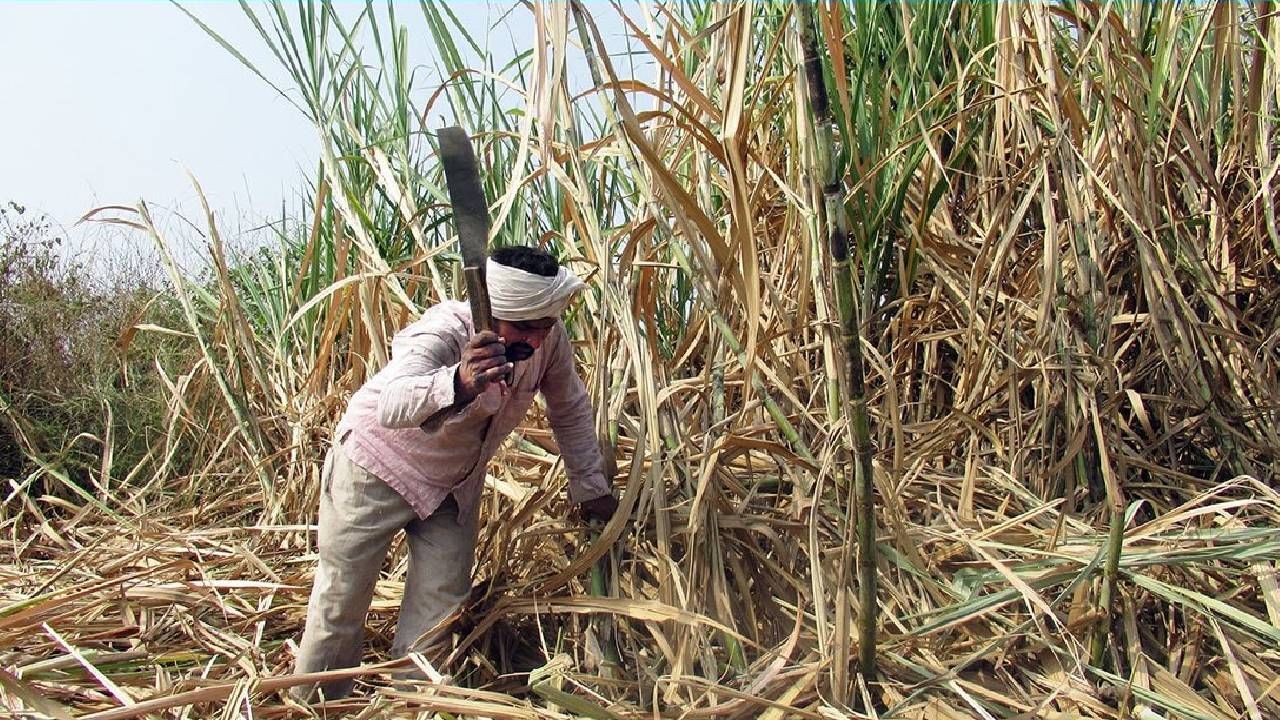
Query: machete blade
[[470, 217]]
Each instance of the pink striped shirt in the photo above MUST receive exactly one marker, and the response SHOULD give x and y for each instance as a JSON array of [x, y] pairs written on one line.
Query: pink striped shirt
[[401, 425]]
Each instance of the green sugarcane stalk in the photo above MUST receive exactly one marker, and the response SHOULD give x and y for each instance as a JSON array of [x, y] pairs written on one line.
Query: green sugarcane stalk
[[1107, 601], [842, 279], [603, 624], [1115, 544]]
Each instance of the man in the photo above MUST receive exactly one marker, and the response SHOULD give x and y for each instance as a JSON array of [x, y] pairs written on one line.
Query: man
[[411, 450]]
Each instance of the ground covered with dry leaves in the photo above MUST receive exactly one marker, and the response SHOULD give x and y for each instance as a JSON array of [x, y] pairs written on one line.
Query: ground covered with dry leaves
[[985, 611]]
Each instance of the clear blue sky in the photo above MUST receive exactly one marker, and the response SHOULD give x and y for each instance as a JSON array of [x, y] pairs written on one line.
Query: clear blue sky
[[110, 102]]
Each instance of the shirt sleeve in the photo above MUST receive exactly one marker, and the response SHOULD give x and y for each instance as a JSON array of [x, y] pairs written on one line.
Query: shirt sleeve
[[570, 414], [419, 378]]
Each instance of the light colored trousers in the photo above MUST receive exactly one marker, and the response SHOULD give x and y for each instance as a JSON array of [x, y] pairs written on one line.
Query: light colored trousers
[[359, 516]]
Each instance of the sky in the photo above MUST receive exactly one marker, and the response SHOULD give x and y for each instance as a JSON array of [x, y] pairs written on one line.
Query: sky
[[110, 102]]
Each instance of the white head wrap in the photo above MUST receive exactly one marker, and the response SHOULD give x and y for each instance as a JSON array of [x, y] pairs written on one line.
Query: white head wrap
[[516, 295]]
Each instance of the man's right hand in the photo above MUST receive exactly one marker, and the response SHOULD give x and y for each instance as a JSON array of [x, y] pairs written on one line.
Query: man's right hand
[[484, 360]]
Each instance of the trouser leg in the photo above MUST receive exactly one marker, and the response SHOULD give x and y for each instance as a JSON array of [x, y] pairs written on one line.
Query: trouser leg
[[441, 553], [359, 516]]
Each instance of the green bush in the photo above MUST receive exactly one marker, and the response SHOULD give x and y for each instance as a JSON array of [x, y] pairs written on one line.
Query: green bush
[[75, 374]]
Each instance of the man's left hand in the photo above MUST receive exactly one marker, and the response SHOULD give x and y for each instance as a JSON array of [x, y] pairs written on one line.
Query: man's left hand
[[601, 508]]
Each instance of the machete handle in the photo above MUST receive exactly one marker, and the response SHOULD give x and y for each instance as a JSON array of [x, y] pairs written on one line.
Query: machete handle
[[478, 294], [481, 314]]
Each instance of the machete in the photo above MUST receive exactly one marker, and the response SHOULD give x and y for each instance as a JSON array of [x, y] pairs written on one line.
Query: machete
[[470, 218]]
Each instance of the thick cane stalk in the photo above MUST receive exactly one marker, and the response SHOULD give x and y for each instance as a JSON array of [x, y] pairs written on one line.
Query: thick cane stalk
[[1115, 543], [862, 517]]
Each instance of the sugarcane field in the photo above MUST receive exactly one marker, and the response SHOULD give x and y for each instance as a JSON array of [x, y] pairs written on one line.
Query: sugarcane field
[[690, 360]]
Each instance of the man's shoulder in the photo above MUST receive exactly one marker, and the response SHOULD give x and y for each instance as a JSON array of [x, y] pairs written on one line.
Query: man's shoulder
[[448, 319], [445, 315], [558, 344]]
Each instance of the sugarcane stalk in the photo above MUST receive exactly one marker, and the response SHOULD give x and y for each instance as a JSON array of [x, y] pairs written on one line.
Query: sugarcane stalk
[[1115, 543], [602, 624], [862, 521], [1106, 603]]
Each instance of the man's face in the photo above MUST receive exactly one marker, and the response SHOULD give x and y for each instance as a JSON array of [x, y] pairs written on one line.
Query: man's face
[[524, 336]]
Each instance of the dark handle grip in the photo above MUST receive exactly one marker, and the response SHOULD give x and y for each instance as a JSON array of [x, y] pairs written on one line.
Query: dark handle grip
[[478, 294]]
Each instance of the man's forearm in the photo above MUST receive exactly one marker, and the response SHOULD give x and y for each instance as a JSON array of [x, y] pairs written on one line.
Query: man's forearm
[[411, 400], [583, 461]]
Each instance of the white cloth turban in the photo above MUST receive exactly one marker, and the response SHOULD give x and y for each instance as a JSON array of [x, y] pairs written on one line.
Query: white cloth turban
[[516, 295]]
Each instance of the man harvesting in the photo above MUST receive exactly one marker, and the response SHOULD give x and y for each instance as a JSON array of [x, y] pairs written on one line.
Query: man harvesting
[[410, 455]]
